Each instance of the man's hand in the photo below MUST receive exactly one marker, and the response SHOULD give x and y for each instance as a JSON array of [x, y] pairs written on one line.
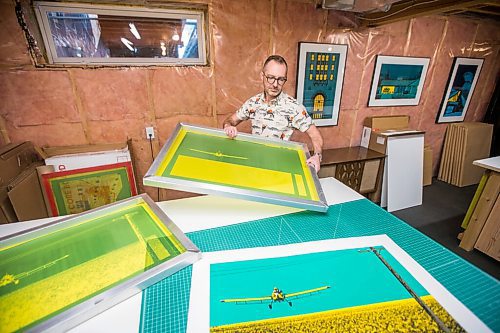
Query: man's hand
[[315, 161], [231, 131]]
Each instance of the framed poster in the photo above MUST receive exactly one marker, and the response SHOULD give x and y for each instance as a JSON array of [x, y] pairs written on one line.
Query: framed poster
[[204, 160], [62, 273], [397, 81], [339, 284], [78, 190], [459, 89], [320, 76]]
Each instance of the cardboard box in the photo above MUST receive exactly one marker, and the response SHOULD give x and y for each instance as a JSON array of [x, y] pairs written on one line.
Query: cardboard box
[[14, 158], [7, 213], [378, 140], [22, 198], [86, 156], [382, 123], [26, 197], [427, 179]]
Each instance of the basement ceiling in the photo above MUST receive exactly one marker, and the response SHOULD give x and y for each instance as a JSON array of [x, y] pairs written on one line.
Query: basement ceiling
[[372, 13]]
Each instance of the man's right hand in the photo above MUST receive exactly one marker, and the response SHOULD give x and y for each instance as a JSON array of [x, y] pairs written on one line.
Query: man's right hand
[[231, 131]]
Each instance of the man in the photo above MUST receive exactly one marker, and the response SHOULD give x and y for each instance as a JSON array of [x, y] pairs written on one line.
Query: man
[[275, 114]]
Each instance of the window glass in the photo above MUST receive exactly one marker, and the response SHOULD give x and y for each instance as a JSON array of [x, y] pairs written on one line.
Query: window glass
[[121, 35]]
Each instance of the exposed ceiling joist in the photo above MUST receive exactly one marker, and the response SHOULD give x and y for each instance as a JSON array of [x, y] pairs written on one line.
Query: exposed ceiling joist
[[408, 9], [485, 11]]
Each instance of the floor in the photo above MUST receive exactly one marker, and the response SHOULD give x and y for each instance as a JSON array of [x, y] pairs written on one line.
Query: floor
[[440, 216]]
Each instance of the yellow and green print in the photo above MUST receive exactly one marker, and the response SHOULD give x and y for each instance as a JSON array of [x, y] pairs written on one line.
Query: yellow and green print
[[348, 290], [48, 274], [212, 159]]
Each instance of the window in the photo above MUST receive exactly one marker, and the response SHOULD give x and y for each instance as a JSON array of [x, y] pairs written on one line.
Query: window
[[114, 35]]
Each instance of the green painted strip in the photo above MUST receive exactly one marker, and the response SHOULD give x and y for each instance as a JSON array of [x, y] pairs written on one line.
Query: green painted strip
[[477, 195]]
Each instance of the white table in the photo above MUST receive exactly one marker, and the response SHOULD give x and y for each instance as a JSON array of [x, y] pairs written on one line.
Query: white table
[[191, 214], [492, 163]]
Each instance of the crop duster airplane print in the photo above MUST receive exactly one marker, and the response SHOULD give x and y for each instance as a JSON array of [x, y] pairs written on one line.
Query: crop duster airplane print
[[276, 296]]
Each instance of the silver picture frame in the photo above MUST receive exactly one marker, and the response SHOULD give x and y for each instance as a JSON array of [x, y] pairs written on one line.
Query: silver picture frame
[[116, 292], [153, 177]]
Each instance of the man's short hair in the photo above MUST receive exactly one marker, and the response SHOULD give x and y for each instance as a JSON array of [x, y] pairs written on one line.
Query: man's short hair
[[279, 59]]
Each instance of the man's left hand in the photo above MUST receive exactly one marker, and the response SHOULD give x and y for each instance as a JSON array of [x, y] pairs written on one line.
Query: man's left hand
[[314, 161]]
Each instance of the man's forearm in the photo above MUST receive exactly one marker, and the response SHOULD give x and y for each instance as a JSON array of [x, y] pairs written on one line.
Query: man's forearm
[[232, 120], [316, 139]]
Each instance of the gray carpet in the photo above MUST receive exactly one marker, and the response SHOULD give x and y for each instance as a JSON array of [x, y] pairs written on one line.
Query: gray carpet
[[440, 216]]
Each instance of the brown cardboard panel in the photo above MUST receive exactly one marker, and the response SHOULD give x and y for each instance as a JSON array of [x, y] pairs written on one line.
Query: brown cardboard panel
[[462, 135], [7, 213], [26, 197], [477, 146], [382, 123], [444, 153], [370, 173], [427, 179], [455, 157], [378, 142], [451, 154], [14, 158]]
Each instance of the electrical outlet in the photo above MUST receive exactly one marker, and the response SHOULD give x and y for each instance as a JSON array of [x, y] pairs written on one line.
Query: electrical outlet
[[150, 133]]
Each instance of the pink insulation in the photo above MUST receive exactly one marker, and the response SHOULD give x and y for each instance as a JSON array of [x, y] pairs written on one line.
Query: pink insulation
[[66, 106]]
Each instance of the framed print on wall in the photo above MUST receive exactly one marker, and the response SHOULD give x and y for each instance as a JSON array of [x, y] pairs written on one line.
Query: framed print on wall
[[397, 81], [320, 75], [460, 87]]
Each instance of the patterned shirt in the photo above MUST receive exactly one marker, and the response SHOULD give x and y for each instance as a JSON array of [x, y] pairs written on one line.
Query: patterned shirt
[[275, 119]]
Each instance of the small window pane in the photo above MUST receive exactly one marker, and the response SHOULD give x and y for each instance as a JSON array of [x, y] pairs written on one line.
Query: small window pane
[[99, 35]]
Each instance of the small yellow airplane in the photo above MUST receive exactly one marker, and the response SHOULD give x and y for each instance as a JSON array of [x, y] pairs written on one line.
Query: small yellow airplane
[[11, 278], [276, 296]]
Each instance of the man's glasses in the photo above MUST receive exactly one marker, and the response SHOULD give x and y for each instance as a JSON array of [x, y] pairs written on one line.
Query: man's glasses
[[271, 79]]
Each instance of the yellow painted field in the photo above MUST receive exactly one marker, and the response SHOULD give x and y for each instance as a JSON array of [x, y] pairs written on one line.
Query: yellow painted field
[[33, 302], [395, 316]]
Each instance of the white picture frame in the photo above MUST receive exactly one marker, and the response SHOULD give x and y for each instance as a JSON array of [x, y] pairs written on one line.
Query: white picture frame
[[397, 81]]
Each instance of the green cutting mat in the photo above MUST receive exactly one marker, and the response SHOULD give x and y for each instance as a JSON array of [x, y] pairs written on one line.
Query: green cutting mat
[[165, 304]]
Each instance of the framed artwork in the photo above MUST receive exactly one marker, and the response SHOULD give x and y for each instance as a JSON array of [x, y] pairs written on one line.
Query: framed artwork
[[204, 160], [362, 281], [60, 274], [320, 76], [78, 190], [397, 81], [459, 89]]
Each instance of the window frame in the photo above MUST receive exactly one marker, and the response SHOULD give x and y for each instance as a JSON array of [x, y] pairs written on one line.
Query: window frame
[[41, 9]]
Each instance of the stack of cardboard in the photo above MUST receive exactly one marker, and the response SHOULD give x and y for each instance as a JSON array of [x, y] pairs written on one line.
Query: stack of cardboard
[[464, 143], [20, 194]]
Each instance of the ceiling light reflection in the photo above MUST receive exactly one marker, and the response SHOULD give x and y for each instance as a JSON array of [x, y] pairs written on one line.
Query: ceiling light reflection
[[134, 31], [127, 43]]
